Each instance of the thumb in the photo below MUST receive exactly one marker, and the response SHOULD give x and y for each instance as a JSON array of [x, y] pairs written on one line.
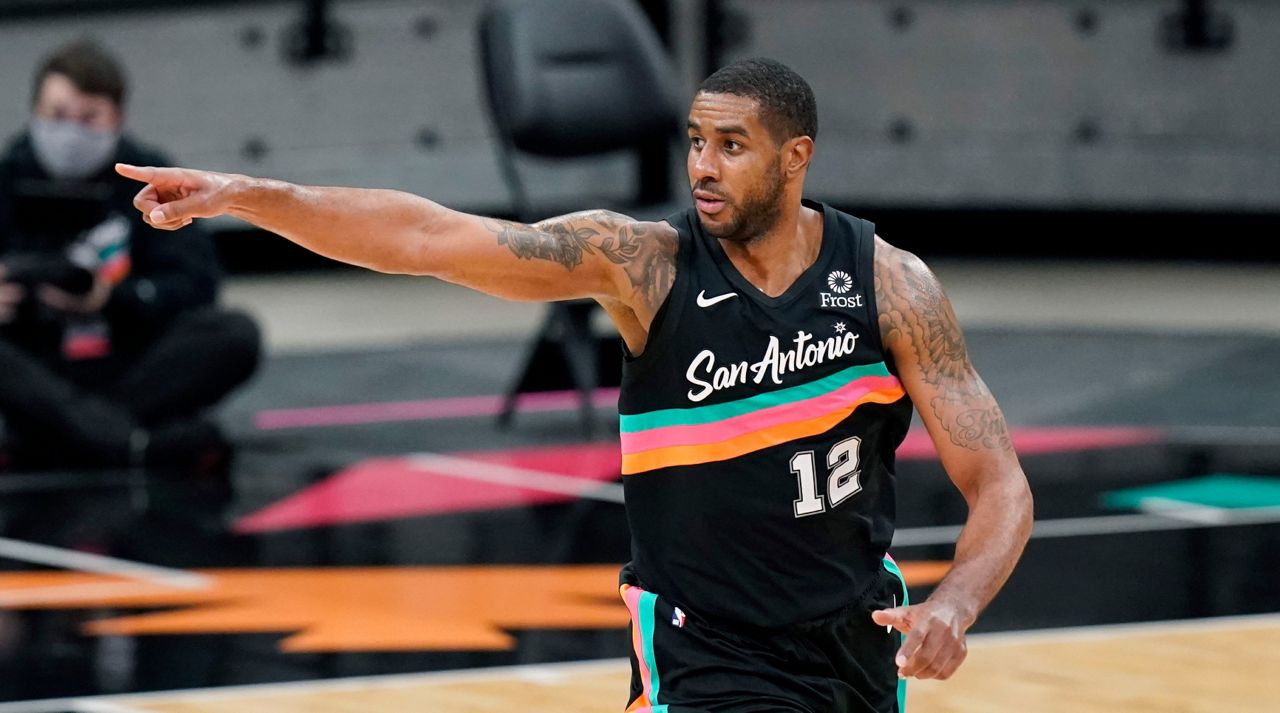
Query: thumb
[[179, 210], [896, 617]]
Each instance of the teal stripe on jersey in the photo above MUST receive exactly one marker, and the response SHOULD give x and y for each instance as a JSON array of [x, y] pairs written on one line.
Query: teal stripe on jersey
[[698, 415], [906, 601], [647, 602]]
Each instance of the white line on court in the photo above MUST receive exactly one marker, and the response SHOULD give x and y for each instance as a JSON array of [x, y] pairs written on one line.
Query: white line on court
[[1182, 510], [535, 673], [99, 564], [555, 673], [98, 705], [66, 705], [68, 593], [520, 477]]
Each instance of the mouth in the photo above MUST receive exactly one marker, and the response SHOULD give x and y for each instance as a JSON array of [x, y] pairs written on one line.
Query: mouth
[[707, 202]]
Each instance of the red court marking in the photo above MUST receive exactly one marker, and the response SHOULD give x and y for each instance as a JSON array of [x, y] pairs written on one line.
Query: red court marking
[[424, 410], [395, 487]]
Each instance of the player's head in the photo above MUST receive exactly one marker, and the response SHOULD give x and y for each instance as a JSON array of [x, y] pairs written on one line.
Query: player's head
[[751, 132], [77, 109]]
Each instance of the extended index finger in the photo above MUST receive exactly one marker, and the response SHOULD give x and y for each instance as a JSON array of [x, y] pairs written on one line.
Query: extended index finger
[[146, 174]]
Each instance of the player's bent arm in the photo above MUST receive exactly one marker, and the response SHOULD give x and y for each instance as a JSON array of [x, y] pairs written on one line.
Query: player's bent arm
[[595, 254], [920, 331]]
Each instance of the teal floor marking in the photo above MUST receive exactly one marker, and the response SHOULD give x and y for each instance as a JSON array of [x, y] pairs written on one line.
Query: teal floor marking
[[1219, 490]]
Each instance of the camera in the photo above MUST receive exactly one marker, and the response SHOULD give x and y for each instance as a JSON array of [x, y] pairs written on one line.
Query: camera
[[32, 269]]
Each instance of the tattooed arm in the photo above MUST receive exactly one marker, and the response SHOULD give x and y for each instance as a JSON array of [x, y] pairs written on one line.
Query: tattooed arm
[[920, 332], [597, 254]]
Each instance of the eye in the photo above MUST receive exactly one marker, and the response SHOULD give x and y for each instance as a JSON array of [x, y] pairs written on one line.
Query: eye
[[696, 142], [732, 145]]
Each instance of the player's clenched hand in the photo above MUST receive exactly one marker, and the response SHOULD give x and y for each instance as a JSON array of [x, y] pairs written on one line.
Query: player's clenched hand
[[934, 644], [173, 197]]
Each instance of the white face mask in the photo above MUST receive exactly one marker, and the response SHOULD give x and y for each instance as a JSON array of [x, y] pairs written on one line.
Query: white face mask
[[68, 149]]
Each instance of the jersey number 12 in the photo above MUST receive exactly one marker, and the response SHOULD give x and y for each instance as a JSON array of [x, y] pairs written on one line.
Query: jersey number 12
[[842, 481]]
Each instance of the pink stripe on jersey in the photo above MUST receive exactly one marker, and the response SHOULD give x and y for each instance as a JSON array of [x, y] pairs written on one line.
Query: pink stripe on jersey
[[757, 420]]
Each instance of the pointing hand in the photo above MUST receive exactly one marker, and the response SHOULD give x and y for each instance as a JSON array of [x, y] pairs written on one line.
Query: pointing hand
[[173, 197]]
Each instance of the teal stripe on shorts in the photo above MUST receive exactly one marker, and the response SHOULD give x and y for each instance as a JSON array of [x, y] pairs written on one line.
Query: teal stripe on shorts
[[906, 601], [647, 602]]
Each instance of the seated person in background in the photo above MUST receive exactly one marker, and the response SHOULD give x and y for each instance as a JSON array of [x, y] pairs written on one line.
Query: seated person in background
[[111, 346]]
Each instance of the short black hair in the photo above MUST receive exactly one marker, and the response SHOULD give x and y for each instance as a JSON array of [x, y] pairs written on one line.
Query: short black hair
[[787, 106], [90, 67]]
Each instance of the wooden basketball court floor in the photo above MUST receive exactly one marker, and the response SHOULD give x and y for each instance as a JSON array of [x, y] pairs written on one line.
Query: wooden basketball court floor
[[1202, 666]]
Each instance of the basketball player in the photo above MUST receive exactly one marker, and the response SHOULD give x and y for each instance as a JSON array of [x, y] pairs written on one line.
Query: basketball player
[[775, 348]]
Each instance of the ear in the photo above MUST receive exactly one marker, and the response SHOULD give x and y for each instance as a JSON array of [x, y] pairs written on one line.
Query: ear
[[796, 155]]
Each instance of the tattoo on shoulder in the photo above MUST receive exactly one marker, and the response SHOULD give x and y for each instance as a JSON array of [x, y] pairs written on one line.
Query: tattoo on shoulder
[[646, 252], [916, 316]]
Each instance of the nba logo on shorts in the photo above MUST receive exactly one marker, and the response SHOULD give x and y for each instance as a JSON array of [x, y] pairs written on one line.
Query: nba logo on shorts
[[677, 618]]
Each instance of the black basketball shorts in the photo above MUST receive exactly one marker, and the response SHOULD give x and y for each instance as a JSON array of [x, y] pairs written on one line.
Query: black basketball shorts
[[840, 663]]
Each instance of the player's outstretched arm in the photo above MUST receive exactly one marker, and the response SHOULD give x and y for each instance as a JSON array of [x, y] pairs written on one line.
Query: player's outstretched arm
[[920, 331], [595, 254]]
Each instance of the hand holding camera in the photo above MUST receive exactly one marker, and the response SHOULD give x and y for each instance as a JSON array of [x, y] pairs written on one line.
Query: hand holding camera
[[57, 281]]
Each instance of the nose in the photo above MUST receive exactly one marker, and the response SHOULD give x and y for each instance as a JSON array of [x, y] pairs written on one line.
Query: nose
[[703, 165]]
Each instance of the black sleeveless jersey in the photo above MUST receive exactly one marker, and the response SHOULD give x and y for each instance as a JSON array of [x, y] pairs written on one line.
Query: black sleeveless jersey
[[758, 434]]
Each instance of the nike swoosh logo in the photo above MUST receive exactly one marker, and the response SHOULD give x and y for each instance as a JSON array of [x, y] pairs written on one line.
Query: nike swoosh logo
[[704, 301]]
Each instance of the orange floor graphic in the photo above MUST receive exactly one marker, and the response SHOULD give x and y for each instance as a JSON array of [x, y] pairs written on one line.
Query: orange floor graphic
[[356, 608]]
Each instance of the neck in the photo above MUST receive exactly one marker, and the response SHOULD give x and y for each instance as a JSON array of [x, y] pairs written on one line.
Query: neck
[[774, 260]]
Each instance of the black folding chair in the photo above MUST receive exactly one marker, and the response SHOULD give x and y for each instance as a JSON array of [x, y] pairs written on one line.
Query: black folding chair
[[573, 79]]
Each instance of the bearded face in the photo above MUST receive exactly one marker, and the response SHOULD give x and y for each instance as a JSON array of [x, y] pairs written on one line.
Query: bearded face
[[754, 213], [735, 168]]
